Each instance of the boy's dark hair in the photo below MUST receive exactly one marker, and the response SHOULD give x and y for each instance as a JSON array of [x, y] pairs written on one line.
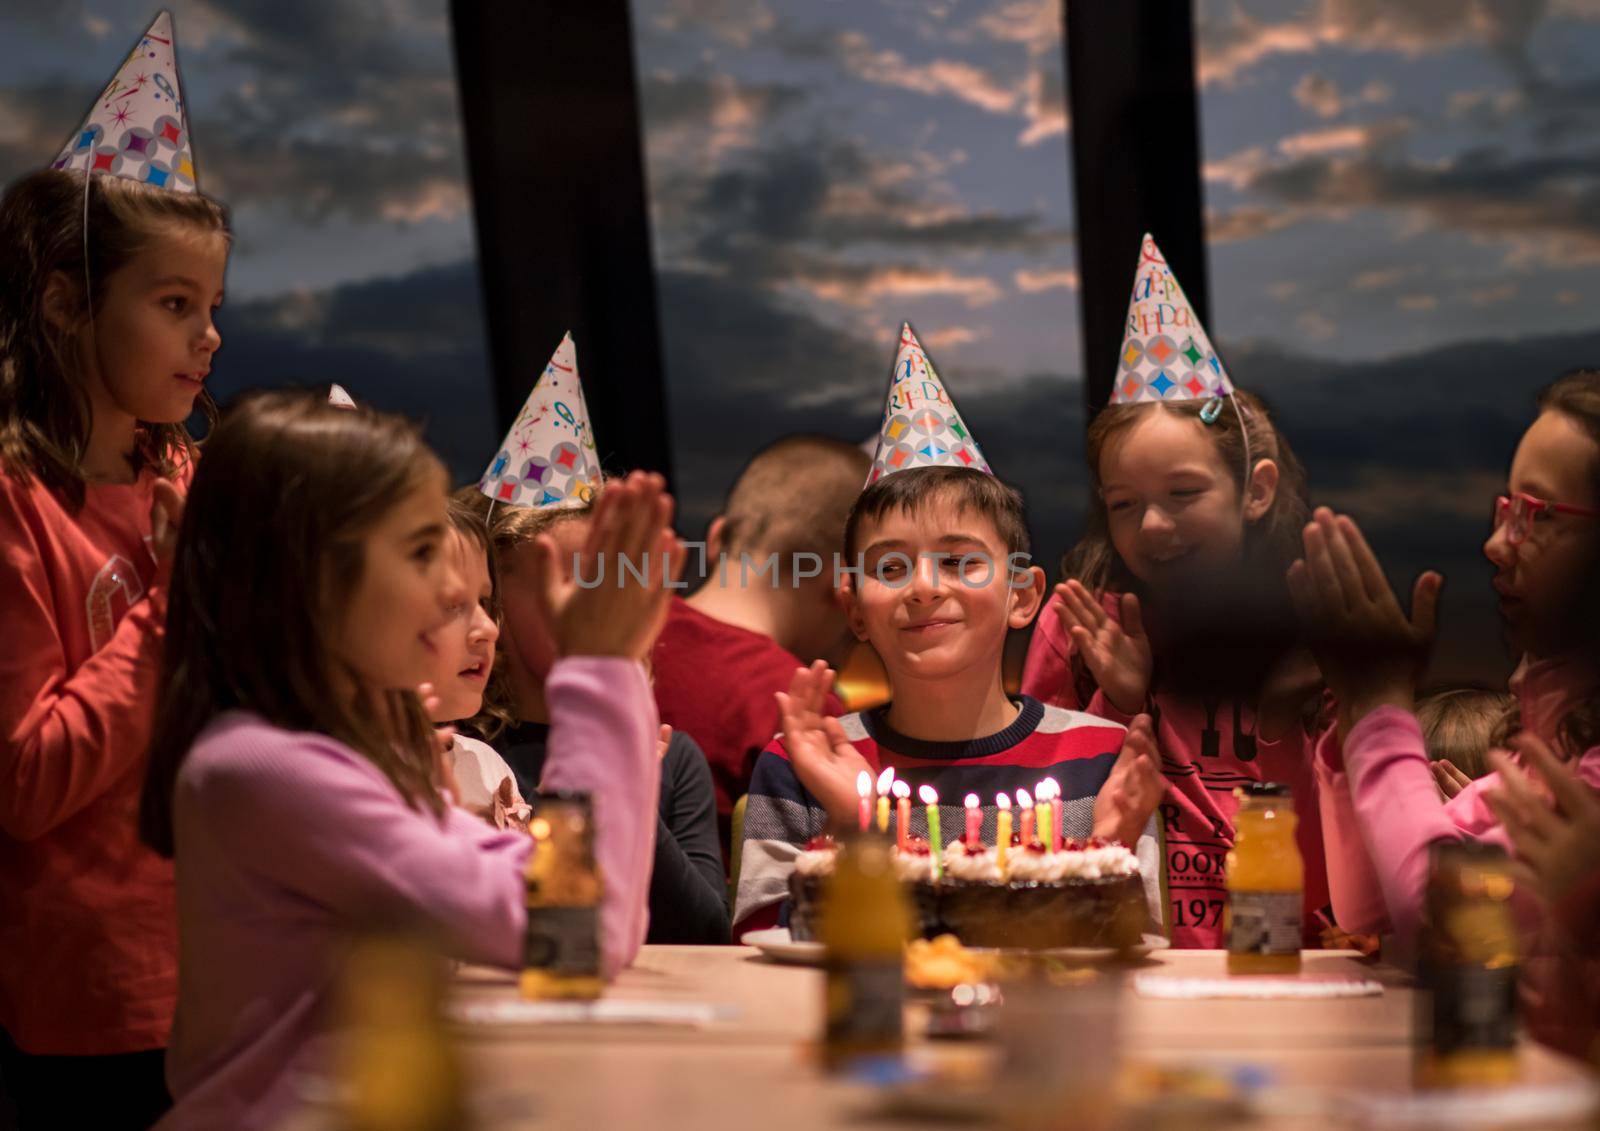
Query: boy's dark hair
[[44, 410], [967, 489], [270, 550], [1461, 724]]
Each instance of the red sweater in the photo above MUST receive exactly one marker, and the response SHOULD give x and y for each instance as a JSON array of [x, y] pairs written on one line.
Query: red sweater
[[88, 928], [1207, 751], [716, 681]]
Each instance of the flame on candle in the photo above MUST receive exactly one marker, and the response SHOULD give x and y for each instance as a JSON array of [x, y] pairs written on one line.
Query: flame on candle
[[1047, 790], [971, 801], [902, 788], [1002, 800], [885, 781], [1023, 800], [864, 784], [929, 795]]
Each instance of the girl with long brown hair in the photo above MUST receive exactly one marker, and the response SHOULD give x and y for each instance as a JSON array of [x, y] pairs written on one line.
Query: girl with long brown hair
[[108, 289], [294, 775]]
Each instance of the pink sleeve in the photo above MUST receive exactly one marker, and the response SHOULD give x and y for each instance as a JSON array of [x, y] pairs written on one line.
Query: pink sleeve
[[1352, 884], [603, 741], [1047, 670], [356, 848], [67, 734], [1398, 808]]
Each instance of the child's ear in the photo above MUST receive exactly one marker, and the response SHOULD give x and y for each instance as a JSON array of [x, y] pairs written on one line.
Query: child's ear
[[60, 301], [845, 595], [1263, 490], [1028, 588], [716, 534]]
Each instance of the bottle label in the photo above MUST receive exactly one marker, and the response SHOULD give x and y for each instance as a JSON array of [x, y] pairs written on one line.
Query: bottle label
[[865, 1001], [1264, 922], [1473, 1008], [562, 940]]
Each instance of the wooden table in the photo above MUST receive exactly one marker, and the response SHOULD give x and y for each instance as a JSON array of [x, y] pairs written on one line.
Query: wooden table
[[755, 1069]]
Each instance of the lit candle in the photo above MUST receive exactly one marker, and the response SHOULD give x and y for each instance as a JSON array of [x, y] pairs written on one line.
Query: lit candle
[[1025, 806], [1041, 795], [974, 821], [864, 790], [885, 784], [1055, 814], [930, 798], [1002, 840], [902, 804]]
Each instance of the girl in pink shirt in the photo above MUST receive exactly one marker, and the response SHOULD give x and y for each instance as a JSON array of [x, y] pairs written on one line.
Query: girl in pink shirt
[[293, 774], [1382, 808], [1175, 606], [106, 338]]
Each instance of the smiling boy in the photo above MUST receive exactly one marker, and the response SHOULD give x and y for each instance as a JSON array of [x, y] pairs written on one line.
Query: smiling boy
[[938, 577]]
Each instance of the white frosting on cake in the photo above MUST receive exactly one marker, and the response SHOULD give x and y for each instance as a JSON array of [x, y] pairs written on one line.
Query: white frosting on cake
[[1099, 863], [913, 867], [816, 861], [974, 867]]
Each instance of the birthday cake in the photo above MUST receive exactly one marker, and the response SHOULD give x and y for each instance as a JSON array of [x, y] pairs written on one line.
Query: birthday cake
[[1086, 894]]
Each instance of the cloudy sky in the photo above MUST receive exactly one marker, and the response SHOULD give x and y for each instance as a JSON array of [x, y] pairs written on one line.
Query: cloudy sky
[[1403, 204]]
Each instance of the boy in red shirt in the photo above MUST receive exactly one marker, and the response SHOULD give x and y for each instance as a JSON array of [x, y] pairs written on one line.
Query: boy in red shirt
[[729, 647]]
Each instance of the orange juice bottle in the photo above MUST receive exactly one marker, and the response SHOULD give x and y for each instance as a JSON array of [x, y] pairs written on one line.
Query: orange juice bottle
[[1266, 884]]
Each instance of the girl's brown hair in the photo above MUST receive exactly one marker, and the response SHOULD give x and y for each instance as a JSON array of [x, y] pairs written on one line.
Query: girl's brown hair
[[505, 528], [44, 410], [1575, 395], [270, 550]]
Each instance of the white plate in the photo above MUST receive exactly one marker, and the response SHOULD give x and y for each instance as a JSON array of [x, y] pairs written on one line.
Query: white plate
[[775, 943], [1141, 949]]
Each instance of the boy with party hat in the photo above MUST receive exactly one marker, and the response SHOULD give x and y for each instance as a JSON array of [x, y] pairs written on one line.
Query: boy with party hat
[[936, 576], [1174, 603], [544, 481]]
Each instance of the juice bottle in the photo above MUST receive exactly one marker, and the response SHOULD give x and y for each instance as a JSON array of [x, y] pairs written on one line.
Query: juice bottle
[[1266, 884], [864, 925], [1467, 966], [561, 944]]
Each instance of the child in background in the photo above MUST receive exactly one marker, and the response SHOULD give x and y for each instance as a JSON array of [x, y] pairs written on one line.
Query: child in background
[[1176, 603], [1546, 550], [293, 770], [107, 295], [940, 545], [1458, 728], [736, 641], [687, 901], [481, 781]]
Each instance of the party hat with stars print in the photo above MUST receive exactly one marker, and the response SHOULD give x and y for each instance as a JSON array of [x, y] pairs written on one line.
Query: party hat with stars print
[[921, 427], [548, 458], [1166, 355], [139, 128]]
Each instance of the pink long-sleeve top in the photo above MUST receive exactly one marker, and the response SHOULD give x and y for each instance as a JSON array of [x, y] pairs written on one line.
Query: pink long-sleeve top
[[1381, 811], [285, 840]]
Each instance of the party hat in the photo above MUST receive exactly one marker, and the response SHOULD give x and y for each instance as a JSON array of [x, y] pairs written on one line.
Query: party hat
[[338, 398], [548, 457], [1166, 355], [138, 127], [921, 427]]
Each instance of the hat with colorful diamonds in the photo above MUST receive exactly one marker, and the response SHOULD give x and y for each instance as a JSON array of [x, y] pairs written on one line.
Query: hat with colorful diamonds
[[1166, 355], [921, 427], [548, 458]]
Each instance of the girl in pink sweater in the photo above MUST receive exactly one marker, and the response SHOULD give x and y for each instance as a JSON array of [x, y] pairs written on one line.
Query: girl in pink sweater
[[1382, 809], [1175, 606], [293, 774]]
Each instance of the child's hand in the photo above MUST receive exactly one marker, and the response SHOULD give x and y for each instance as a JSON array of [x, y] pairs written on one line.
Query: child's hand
[[166, 516], [1134, 788], [823, 758], [1118, 655], [663, 740], [1554, 828], [621, 615], [1370, 651], [1448, 777]]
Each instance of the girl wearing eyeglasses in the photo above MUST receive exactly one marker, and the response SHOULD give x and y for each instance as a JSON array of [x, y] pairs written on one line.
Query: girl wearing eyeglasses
[[1377, 788]]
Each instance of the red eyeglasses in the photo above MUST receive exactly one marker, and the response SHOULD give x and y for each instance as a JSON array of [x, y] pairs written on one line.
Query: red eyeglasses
[[1523, 509]]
